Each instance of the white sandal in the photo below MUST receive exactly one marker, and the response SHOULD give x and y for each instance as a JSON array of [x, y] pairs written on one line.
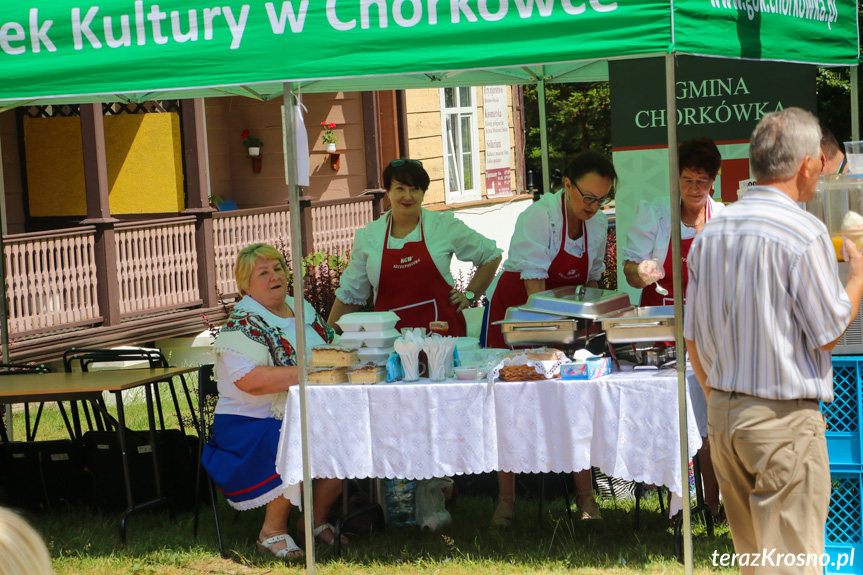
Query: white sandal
[[505, 513], [265, 547], [320, 529], [588, 508]]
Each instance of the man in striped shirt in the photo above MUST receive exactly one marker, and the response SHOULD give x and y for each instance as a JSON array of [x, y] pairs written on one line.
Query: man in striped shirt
[[764, 309]]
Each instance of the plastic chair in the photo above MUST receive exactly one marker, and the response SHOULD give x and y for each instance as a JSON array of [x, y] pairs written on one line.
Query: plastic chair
[[86, 358], [17, 369], [207, 388]]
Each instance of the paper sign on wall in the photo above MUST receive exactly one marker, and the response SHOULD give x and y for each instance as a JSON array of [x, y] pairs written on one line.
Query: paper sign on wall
[[498, 166]]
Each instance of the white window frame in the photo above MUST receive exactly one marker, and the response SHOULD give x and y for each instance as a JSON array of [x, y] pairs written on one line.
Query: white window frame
[[474, 194]]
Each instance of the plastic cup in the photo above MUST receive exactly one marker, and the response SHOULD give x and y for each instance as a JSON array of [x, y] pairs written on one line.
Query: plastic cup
[[854, 155], [855, 236]]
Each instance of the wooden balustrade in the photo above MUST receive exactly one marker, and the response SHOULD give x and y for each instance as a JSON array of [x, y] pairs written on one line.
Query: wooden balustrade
[[51, 276], [334, 223], [51, 280], [236, 229], [157, 264]]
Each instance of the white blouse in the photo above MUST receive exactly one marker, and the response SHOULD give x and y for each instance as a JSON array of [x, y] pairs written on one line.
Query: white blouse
[[648, 236], [445, 237], [536, 241], [230, 366]]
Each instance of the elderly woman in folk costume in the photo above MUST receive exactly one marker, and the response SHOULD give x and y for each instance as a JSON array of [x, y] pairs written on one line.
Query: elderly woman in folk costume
[[255, 367]]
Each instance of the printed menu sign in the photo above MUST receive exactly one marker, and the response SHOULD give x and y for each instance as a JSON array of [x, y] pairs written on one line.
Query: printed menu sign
[[498, 166]]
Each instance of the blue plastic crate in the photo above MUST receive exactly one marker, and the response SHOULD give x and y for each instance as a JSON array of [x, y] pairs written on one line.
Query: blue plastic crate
[[843, 415], [843, 534]]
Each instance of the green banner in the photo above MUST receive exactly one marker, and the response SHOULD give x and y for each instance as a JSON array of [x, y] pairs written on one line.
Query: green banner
[[51, 48], [815, 31]]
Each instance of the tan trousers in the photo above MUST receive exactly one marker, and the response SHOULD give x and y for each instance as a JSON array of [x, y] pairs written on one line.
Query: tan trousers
[[774, 474]]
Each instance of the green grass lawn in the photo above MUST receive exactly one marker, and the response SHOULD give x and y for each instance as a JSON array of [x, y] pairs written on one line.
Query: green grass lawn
[[84, 542]]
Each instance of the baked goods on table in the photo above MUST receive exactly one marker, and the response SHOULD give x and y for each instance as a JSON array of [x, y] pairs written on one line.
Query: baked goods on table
[[328, 375], [333, 355], [368, 374], [528, 365]]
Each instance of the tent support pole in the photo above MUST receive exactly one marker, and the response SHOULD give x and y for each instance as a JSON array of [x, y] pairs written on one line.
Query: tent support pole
[[543, 132], [299, 308], [4, 323], [855, 106], [677, 261]]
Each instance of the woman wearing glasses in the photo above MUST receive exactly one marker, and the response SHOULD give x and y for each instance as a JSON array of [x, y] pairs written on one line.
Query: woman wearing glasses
[[558, 241], [404, 257], [648, 241]]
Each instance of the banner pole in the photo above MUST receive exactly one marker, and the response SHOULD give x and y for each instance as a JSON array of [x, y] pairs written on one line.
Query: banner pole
[[543, 132], [677, 276], [855, 105]]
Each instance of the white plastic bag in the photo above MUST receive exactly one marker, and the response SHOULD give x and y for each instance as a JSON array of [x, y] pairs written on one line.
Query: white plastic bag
[[431, 503]]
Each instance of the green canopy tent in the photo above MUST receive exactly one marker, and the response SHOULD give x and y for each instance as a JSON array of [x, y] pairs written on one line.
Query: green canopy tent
[[113, 50]]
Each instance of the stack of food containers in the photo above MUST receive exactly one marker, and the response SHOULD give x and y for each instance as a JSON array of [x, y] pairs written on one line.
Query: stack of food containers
[[372, 333]]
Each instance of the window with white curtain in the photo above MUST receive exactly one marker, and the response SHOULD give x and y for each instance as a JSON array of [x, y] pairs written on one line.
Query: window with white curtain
[[460, 131]]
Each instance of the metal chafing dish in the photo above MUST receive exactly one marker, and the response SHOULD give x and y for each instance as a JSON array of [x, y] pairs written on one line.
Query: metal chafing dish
[[522, 328], [577, 301], [634, 324], [562, 316]]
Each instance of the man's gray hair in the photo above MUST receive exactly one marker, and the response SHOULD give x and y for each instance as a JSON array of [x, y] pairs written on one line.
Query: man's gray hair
[[780, 141]]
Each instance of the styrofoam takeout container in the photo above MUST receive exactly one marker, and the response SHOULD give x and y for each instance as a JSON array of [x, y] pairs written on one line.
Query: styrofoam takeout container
[[377, 338], [375, 354], [368, 321]]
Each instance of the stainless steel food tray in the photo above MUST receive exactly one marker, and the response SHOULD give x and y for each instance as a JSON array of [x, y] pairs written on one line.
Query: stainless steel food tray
[[520, 333], [577, 301], [635, 324]]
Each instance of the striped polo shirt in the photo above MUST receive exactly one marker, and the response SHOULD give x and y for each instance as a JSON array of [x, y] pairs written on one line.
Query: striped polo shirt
[[763, 296]]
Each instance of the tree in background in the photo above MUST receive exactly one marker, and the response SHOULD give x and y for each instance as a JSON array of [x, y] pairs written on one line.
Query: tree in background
[[834, 101], [578, 117]]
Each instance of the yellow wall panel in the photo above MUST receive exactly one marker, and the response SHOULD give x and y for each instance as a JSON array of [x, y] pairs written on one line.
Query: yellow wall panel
[[145, 169], [55, 167], [144, 162]]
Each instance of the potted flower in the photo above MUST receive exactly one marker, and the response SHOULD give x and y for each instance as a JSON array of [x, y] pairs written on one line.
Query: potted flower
[[329, 137], [253, 145]]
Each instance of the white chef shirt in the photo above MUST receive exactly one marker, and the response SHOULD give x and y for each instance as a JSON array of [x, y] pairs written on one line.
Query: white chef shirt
[[445, 236], [648, 236], [536, 241]]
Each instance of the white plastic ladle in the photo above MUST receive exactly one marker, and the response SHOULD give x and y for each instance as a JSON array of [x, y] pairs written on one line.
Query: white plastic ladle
[[660, 290]]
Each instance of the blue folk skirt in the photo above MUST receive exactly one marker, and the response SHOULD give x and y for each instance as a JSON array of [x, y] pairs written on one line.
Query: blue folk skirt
[[241, 459]]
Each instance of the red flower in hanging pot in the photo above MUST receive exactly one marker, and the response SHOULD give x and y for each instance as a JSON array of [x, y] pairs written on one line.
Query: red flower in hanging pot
[[244, 134]]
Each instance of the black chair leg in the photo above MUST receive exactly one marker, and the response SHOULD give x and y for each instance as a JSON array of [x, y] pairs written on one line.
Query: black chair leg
[[216, 516], [541, 499], [567, 497]]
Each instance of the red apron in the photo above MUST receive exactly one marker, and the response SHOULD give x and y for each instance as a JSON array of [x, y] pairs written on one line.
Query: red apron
[[565, 269], [411, 286], [649, 295]]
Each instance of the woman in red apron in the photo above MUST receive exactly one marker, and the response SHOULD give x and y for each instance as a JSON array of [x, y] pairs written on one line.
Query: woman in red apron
[[404, 257], [561, 237], [647, 254]]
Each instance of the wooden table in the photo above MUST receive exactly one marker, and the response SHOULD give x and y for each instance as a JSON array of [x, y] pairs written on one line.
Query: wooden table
[[76, 386]]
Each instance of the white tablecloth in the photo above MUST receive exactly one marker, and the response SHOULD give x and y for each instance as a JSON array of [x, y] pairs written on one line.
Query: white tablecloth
[[625, 424]]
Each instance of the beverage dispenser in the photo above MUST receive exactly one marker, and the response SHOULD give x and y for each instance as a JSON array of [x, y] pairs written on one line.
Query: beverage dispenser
[[835, 196]]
